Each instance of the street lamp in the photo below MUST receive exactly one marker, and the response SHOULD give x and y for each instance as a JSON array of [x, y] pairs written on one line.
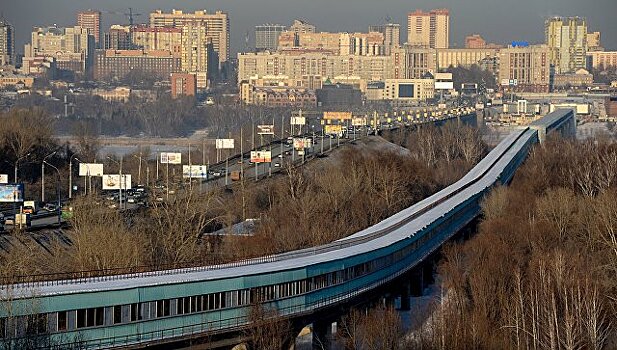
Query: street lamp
[[43, 175], [17, 165], [57, 194], [139, 171], [121, 180], [86, 178]]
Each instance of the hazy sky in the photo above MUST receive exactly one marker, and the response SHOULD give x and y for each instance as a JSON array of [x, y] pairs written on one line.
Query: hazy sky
[[499, 21]]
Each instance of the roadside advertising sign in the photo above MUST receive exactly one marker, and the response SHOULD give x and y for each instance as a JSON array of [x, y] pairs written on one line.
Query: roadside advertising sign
[[298, 120], [334, 129], [261, 156], [112, 182], [4, 178], [13, 193], [224, 143], [90, 169], [265, 129], [337, 115], [302, 143], [171, 158], [195, 171], [358, 122], [505, 82]]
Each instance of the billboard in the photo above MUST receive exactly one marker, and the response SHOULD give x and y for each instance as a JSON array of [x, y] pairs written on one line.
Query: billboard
[[444, 85], [298, 120], [195, 171], [261, 156], [90, 169], [4, 179], [224, 143], [12, 193], [337, 115], [505, 82], [358, 121], [112, 182], [334, 129], [171, 158], [302, 143], [265, 129]]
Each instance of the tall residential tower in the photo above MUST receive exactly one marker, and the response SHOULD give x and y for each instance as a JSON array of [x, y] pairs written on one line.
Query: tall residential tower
[[267, 36], [7, 43], [91, 20], [216, 26], [567, 42], [429, 29]]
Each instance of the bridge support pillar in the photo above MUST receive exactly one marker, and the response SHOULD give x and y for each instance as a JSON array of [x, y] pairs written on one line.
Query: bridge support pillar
[[416, 282], [405, 295], [322, 335], [428, 276]]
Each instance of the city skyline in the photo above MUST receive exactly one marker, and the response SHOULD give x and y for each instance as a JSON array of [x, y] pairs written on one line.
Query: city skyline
[[501, 23]]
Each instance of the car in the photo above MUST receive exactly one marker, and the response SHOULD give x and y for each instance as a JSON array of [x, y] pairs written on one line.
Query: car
[[29, 210], [277, 165], [131, 199], [2, 219], [50, 207], [280, 156]]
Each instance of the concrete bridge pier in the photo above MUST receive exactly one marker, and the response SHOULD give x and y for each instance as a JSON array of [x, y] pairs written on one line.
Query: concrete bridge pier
[[405, 294], [323, 336]]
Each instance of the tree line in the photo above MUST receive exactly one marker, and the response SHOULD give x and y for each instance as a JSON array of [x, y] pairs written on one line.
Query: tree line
[[540, 274]]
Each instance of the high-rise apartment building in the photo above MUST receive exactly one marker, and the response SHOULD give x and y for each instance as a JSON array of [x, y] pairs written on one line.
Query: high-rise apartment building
[[429, 29], [91, 20], [7, 43], [216, 26], [391, 33], [72, 47], [593, 42], [160, 38], [602, 59], [567, 42], [300, 26], [118, 38], [198, 55], [116, 64], [526, 68], [328, 66], [363, 44], [267, 36]]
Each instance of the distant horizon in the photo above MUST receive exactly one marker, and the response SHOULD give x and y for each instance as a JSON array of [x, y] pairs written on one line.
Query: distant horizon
[[496, 23]]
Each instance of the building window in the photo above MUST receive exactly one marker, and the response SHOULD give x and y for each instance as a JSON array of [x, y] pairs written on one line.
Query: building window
[[163, 308], [62, 321], [117, 314], [136, 312]]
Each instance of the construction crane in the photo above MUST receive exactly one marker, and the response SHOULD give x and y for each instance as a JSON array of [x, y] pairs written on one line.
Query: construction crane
[[130, 15]]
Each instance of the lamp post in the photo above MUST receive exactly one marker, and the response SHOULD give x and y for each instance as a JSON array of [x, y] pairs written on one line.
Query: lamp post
[[17, 165], [43, 176], [121, 180], [139, 171], [57, 194], [71, 175]]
